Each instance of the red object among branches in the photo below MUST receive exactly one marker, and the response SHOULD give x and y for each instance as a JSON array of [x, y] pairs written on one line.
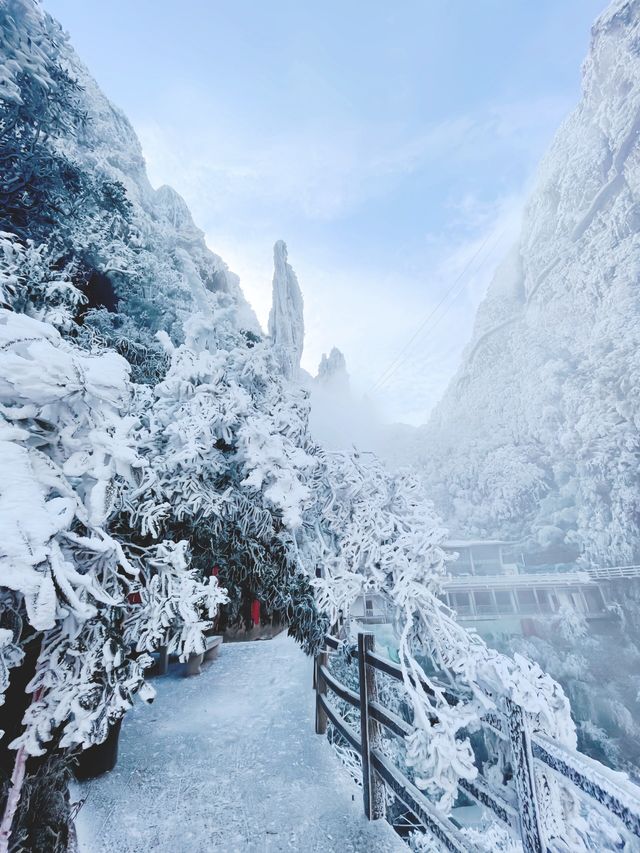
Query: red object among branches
[[255, 612], [134, 598]]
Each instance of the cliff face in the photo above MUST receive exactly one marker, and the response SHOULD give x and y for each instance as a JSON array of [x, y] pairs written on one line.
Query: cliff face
[[537, 436], [155, 254]]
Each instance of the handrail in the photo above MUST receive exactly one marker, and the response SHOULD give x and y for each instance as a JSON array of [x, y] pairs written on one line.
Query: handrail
[[341, 725], [477, 789], [608, 572], [611, 792], [619, 797], [387, 666], [418, 804], [340, 690], [482, 794], [390, 720]]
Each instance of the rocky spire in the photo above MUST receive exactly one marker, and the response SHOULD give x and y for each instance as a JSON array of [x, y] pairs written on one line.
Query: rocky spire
[[286, 321], [332, 371]]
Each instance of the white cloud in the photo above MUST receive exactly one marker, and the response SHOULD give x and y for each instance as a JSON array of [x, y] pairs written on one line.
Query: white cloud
[[325, 169]]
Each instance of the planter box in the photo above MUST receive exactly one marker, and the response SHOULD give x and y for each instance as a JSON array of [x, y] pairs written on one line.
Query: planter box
[[100, 758]]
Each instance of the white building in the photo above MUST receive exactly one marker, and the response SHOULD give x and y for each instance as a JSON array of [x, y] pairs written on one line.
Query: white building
[[494, 596]]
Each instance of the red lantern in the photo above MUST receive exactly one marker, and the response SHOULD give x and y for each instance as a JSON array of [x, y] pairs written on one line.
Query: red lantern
[[134, 597], [215, 571], [255, 612]]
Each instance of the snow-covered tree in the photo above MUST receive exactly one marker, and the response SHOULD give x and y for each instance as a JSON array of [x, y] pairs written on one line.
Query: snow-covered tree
[[67, 448], [176, 606], [228, 437], [378, 533]]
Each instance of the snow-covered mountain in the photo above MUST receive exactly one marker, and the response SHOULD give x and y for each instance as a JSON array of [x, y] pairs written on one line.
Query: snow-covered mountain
[[537, 436], [159, 256]]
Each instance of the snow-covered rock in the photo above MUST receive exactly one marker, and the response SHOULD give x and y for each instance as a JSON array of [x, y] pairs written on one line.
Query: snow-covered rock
[[332, 370], [540, 426], [286, 319]]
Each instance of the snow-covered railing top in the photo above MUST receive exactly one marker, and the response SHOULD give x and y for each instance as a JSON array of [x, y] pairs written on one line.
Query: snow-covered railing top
[[543, 771]]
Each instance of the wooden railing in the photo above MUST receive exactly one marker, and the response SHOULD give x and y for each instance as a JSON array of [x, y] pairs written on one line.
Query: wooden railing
[[533, 758]]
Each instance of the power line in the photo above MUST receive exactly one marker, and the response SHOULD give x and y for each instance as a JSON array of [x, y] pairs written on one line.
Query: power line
[[391, 367], [399, 360]]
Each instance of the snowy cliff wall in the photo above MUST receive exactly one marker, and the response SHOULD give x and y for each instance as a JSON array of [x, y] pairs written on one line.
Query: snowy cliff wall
[[538, 433], [168, 244], [139, 246], [286, 319]]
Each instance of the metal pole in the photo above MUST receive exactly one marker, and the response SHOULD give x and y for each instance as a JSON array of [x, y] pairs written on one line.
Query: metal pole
[[370, 734]]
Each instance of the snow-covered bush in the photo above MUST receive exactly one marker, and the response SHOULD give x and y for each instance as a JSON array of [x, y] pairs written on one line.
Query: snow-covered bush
[[30, 283], [102, 329], [228, 438], [176, 607], [69, 462], [38, 103], [67, 453], [378, 533]]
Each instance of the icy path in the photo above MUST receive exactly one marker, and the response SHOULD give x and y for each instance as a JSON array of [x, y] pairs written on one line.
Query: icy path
[[228, 761]]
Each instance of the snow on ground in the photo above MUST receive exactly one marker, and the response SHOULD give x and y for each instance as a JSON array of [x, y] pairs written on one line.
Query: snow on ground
[[229, 761]]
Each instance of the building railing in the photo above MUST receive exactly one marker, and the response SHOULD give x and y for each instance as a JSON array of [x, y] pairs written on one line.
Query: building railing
[[550, 579], [542, 579], [613, 572], [521, 810]]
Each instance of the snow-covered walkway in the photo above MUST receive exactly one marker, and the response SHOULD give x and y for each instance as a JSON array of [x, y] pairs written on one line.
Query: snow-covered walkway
[[228, 761]]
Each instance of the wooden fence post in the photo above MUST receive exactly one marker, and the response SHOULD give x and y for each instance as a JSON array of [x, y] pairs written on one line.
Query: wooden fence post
[[533, 840], [370, 734], [321, 690]]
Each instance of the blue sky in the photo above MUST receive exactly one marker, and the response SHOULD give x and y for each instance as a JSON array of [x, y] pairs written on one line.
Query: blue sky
[[391, 145]]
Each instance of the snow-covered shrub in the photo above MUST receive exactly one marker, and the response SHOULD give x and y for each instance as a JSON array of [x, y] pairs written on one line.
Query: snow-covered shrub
[[30, 283], [378, 533], [67, 454], [102, 329], [227, 436], [176, 607], [38, 103], [69, 460]]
